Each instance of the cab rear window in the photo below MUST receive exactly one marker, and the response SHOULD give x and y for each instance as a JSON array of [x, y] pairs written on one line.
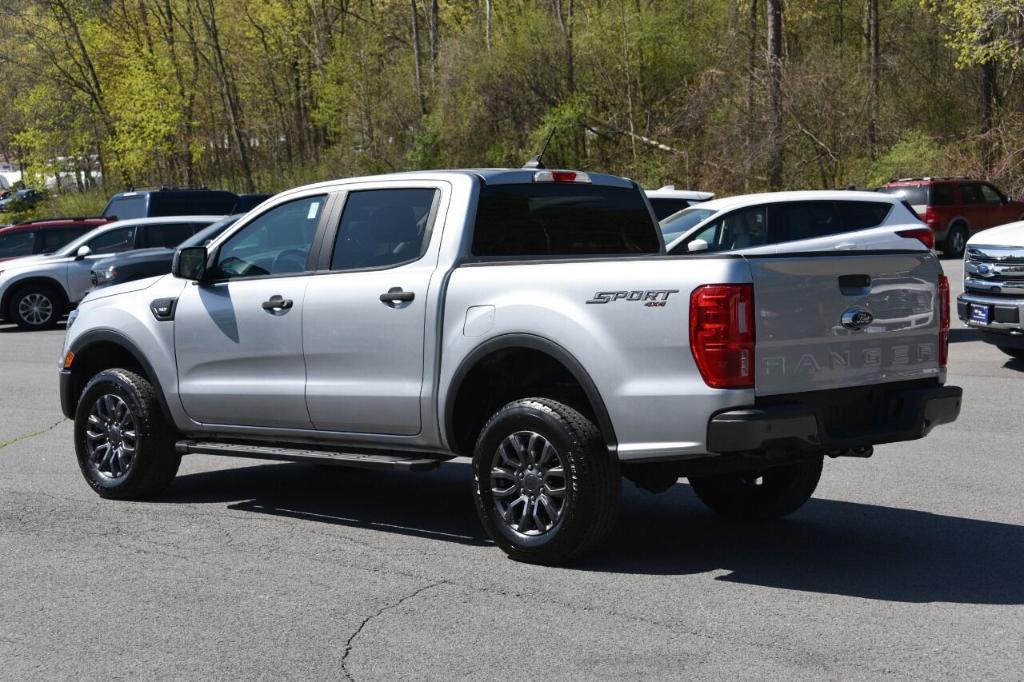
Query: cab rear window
[[542, 220]]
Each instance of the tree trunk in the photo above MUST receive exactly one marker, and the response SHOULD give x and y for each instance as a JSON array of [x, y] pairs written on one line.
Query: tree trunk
[[488, 13], [417, 77], [774, 58], [989, 101], [751, 66], [435, 37], [874, 75]]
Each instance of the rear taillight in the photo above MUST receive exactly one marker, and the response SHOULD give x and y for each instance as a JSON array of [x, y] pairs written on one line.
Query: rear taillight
[[943, 320], [722, 334], [921, 234], [931, 218]]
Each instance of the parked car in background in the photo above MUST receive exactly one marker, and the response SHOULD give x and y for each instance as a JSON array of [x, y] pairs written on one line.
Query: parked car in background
[[23, 198], [993, 298], [956, 208], [781, 222], [132, 265], [668, 200], [36, 291], [247, 202], [170, 201], [43, 236]]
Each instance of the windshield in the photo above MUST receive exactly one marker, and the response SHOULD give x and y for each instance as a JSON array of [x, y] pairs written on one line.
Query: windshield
[[680, 223], [202, 236]]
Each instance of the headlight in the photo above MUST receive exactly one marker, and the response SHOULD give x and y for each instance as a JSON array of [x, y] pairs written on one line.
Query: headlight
[[104, 276], [72, 316]]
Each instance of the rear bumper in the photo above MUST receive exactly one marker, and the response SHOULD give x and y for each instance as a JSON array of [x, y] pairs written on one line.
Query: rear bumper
[[815, 422]]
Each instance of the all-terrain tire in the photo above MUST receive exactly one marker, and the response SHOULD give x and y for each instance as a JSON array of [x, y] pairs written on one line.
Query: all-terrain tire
[[759, 495], [590, 480], [144, 434]]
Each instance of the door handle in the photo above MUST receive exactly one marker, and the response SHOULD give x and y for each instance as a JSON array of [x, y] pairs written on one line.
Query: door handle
[[395, 295], [277, 303]]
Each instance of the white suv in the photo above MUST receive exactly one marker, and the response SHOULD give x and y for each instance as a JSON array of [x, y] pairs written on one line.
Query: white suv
[[780, 222]]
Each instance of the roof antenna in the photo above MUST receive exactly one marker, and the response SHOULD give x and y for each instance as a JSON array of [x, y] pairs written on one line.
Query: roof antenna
[[535, 162]]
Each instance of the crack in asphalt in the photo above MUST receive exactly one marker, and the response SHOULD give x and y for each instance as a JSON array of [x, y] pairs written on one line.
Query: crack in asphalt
[[379, 612], [26, 436]]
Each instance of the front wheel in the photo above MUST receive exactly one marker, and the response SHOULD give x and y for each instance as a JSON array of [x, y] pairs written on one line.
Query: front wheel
[[546, 487], [36, 307], [759, 495], [124, 445]]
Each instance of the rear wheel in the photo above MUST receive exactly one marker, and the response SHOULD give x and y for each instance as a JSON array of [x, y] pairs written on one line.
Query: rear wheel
[[125, 447], [1017, 353], [759, 495], [36, 307], [956, 241], [546, 488]]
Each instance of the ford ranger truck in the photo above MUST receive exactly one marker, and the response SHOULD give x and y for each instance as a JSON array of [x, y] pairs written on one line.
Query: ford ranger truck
[[993, 298], [526, 319]]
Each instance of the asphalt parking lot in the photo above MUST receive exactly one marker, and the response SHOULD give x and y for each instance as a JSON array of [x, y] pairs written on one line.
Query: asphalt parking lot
[[906, 565]]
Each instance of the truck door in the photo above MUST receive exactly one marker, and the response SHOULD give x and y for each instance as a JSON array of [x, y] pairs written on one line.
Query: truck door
[[238, 337], [363, 328]]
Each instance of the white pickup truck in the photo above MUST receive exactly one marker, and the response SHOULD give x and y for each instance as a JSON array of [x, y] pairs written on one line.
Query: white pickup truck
[[993, 298], [528, 319]]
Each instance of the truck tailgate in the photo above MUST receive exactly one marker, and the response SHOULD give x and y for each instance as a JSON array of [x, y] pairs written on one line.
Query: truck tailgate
[[829, 321]]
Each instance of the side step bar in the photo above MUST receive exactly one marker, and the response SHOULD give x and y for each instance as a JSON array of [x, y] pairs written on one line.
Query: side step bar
[[283, 453]]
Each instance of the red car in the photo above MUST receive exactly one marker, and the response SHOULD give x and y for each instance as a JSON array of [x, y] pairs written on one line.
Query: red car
[[956, 208], [43, 236]]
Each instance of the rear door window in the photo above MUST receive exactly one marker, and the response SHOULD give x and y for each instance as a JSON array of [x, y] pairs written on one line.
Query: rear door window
[[942, 194], [970, 193], [167, 236], [861, 215], [792, 221], [383, 228], [555, 219], [16, 244]]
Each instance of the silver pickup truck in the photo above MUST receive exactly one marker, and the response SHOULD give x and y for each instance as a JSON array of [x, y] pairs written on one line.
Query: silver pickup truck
[[527, 319]]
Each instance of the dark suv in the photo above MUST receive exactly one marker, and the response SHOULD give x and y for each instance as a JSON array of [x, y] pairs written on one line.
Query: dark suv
[[43, 236], [956, 208], [170, 201]]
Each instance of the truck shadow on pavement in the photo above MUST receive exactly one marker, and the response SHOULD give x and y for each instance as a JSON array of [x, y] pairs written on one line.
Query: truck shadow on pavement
[[829, 546]]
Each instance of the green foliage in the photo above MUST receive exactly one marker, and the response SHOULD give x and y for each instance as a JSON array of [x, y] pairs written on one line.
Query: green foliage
[[271, 94], [914, 155]]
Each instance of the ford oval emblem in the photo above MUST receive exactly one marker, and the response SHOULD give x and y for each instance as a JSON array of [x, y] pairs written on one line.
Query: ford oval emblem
[[984, 269], [856, 319]]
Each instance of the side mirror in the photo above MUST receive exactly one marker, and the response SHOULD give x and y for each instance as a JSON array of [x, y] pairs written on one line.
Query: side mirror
[[190, 263], [82, 252], [697, 245]]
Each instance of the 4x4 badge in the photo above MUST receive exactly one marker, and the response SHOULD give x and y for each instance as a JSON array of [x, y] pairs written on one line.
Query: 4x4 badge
[[856, 319]]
